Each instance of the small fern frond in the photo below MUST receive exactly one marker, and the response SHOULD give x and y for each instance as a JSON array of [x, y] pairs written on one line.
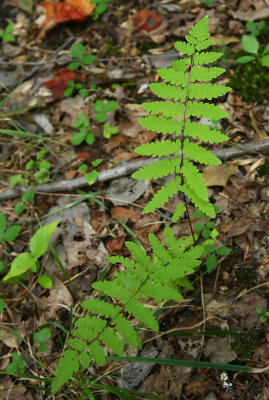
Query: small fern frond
[[158, 249], [207, 90], [181, 65], [167, 108], [111, 340], [163, 195], [203, 205], [162, 148], [68, 364], [142, 313], [101, 307], [160, 292], [206, 57], [198, 153], [122, 260], [203, 132], [185, 48], [158, 169], [161, 124], [166, 91], [205, 74], [206, 110], [173, 76], [180, 209], [194, 179]]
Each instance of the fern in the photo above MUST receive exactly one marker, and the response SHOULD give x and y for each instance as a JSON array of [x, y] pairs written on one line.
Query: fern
[[184, 79], [113, 316]]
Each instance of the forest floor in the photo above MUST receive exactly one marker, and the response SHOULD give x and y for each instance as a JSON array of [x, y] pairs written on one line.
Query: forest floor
[[42, 153]]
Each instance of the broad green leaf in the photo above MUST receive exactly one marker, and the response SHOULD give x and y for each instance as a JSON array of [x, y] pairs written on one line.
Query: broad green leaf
[[244, 59], [78, 50], [78, 138], [265, 60], [2, 305], [42, 336], [211, 262], [250, 44], [3, 224], [19, 265], [11, 233], [39, 241], [28, 196], [45, 281]]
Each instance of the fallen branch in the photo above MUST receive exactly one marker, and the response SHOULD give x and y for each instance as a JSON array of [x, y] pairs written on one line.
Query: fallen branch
[[126, 169]]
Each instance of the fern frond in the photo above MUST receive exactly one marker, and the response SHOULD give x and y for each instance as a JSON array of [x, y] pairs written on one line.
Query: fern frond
[[181, 65], [138, 254], [161, 124], [158, 169], [185, 48], [97, 352], [166, 91], [159, 148], [203, 132], [160, 292], [110, 339], [205, 74], [180, 209], [122, 260], [203, 205], [158, 249], [206, 110], [207, 90], [163, 195], [126, 330], [198, 153], [112, 289], [200, 30], [203, 45], [101, 307], [194, 179], [206, 57], [144, 314], [68, 364], [167, 108], [173, 76]]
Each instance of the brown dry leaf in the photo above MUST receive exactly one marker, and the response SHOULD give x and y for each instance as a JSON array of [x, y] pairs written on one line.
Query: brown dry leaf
[[244, 224], [259, 130], [219, 40], [60, 297], [8, 338], [251, 15], [115, 244], [125, 213], [218, 175], [218, 350], [134, 112]]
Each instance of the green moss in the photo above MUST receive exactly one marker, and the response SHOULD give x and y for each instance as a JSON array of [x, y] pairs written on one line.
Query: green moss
[[245, 344], [251, 82]]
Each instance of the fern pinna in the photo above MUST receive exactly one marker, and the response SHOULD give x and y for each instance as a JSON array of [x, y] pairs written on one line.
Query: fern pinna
[[176, 117], [119, 307]]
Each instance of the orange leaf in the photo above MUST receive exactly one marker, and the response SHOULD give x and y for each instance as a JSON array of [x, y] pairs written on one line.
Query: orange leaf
[[115, 244], [59, 83], [69, 10], [146, 20]]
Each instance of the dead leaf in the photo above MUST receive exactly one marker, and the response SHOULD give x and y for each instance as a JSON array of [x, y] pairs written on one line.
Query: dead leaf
[[219, 40], [115, 244], [68, 10], [251, 15], [218, 175], [58, 84], [146, 20], [218, 350], [125, 213]]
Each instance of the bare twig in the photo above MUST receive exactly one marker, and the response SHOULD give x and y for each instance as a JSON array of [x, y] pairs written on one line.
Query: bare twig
[[72, 185]]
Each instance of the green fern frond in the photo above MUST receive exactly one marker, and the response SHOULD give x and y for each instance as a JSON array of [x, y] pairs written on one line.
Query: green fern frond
[[194, 179], [203, 45], [185, 48], [167, 108], [101, 307], [206, 110], [158, 169], [126, 330], [205, 74], [166, 91], [198, 153], [180, 209], [206, 57], [207, 90], [173, 76], [181, 65], [110, 339], [142, 313], [97, 353], [162, 148], [138, 254], [163, 195], [200, 30], [68, 364], [158, 249], [160, 292], [203, 205], [161, 124], [203, 132], [122, 260]]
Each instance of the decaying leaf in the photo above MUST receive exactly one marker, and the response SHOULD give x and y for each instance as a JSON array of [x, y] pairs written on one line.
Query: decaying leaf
[[218, 175]]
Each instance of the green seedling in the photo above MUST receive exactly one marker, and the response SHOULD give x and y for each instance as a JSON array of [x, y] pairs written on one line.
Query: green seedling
[[210, 233], [17, 365], [45, 281], [2, 305], [41, 337], [72, 87], [42, 175], [26, 198], [29, 260], [101, 109], [255, 53], [93, 175], [109, 130], [255, 28], [264, 316], [8, 234], [5, 34], [78, 51], [101, 7], [83, 133]]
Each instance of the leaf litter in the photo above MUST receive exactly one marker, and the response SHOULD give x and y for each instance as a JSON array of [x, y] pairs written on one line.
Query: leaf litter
[[91, 230]]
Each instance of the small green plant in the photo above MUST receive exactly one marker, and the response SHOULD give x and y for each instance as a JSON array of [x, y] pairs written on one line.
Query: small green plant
[[41, 337], [209, 3], [109, 130], [5, 34], [73, 86], [83, 133], [101, 7], [93, 175], [256, 53], [42, 174], [8, 234], [102, 108], [210, 233], [17, 364], [264, 316], [255, 28], [78, 51], [26, 198], [29, 260]]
